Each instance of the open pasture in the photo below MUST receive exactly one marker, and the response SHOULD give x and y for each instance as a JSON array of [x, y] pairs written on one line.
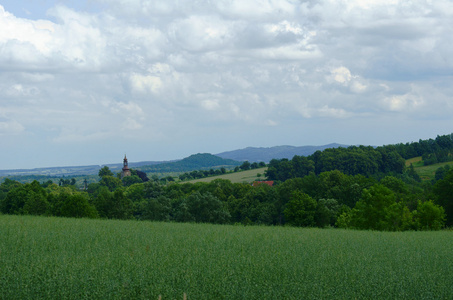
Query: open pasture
[[61, 258], [416, 161], [236, 177], [429, 172]]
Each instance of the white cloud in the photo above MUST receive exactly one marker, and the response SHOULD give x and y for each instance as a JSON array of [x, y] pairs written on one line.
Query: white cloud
[[201, 33], [37, 34], [257, 9], [358, 87], [401, 103], [331, 112], [341, 75], [284, 27], [146, 83]]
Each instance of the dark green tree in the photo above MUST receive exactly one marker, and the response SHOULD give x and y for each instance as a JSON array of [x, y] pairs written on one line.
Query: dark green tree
[[395, 184], [122, 207], [429, 216], [157, 209], [379, 210], [300, 210], [36, 204], [130, 180], [112, 183], [6, 186], [413, 174], [245, 166], [104, 202], [443, 189], [29, 198], [326, 212], [105, 171], [77, 206], [202, 208]]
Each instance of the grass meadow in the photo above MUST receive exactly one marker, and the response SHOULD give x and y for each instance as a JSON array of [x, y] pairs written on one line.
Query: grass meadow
[[236, 177], [425, 172], [429, 172], [58, 258]]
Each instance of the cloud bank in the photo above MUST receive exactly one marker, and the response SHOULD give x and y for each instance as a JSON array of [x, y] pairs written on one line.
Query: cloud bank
[[165, 79]]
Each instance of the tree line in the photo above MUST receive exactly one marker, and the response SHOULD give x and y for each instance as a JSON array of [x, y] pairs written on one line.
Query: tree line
[[330, 199], [365, 160], [354, 187]]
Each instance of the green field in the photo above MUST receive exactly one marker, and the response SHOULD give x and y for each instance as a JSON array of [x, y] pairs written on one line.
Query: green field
[[416, 161], [426, 172], [57, 258], [236, 177]]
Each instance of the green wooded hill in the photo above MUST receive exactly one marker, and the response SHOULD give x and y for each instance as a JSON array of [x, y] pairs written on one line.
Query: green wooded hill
[[266, 154], [200, 161]]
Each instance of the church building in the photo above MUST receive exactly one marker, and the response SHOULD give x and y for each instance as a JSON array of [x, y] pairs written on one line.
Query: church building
[[126, 171]]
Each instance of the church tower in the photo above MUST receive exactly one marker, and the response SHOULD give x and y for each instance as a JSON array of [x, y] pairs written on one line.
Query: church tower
[[126, 171]]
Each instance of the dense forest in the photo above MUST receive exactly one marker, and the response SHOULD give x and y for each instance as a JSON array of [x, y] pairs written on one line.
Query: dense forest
[[354, 187], [368, 161]]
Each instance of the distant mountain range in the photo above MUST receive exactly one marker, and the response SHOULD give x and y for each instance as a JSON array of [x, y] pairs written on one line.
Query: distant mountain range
[[193, 162], [253, 154]]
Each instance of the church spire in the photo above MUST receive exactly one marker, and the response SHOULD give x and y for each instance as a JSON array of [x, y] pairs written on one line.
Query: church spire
[[125, 164], [126, 171]]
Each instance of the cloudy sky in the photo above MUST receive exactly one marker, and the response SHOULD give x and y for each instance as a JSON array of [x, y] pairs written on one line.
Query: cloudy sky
[[84, 82]]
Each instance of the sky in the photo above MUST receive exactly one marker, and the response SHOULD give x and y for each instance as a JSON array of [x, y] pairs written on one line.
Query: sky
[[86, 82]]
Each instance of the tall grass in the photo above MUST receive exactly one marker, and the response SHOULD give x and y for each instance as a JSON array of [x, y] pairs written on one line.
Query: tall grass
[[97, 259]]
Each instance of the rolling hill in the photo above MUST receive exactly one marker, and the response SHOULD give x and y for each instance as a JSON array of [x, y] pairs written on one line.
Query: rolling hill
[[254, 154], [200, 161]]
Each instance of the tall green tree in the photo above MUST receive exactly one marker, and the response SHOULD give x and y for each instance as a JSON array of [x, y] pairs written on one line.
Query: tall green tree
[[326, 212], [429, 216], [202, 208], [300, 210], [77, 206], [105, 171], [245, 166], [378, 209], [29, 198], [112, 183], [443, 189], [157, 209]]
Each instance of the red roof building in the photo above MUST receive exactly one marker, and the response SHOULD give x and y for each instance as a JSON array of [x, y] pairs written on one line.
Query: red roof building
[[257, 183]]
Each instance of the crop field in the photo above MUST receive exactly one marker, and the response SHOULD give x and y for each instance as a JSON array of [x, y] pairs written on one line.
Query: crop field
[[57, 258], [236, 177]]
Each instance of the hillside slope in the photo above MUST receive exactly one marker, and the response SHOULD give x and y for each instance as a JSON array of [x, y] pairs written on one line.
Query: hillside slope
[[200, 161]]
